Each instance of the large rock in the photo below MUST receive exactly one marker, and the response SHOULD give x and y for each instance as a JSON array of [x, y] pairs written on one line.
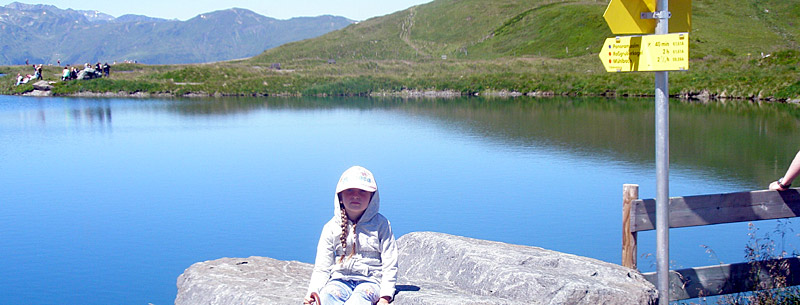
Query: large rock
[[43, 85], [445, 269], [89, 73], [434, 268], [252, 280]]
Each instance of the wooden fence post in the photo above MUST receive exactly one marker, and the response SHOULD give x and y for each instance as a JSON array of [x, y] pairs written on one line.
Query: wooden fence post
[[630, 192]]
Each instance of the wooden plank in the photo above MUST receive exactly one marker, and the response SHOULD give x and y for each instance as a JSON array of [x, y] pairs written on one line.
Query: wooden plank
[[718, 208], [630, 192], [732, 278]]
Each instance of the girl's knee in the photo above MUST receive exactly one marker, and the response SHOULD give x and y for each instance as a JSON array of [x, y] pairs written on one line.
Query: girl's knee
[[334, 292], [369, 293]]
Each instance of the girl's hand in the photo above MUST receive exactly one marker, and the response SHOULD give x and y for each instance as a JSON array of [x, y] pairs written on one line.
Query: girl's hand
[[311, 299], [775, 186], [384, 300]]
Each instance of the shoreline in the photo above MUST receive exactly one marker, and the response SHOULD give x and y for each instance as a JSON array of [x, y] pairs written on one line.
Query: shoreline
[[703, 96]]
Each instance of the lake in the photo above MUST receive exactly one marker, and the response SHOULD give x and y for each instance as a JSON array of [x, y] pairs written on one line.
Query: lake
[[107, 201]]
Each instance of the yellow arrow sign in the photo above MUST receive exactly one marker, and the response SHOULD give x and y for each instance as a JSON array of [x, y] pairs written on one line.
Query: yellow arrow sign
[[668, 52], [624, 16]]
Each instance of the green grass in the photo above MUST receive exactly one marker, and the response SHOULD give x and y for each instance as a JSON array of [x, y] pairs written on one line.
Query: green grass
[[775, 76]]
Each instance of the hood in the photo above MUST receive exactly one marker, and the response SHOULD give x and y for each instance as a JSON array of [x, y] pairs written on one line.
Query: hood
[[346, 181]]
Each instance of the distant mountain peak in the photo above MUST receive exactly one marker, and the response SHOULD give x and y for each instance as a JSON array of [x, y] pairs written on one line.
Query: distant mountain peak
[[30, 7], [90, 15], [137, 18], [94, 16], [233, 10]]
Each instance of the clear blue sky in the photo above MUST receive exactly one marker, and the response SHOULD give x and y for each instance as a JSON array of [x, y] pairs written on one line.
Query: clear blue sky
[[280, 9]]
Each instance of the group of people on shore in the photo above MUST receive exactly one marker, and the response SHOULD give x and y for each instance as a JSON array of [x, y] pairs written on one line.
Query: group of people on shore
[[37, 74], [69, 73], [88, 72]]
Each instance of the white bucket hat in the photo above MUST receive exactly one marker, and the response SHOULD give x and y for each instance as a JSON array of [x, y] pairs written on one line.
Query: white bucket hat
[[357, 177]]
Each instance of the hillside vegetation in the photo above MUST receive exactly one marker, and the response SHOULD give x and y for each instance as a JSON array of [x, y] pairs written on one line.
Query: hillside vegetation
[[738, 49], [473, 29]]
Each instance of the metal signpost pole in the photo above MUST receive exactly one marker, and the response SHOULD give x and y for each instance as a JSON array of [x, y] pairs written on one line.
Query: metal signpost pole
[[662, 164], [659, 53]]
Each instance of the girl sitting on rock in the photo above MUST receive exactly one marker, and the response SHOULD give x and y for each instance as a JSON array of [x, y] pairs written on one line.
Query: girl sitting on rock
[[356, 255]]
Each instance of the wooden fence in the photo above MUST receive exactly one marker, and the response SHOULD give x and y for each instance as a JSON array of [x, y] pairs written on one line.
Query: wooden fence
[[640, 215]]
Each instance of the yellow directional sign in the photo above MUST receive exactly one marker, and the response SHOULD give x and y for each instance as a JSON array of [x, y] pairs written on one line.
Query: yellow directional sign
[[625, 16], [681, 20], [668, 52]]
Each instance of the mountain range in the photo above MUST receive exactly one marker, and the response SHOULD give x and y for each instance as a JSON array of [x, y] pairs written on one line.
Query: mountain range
[[47, 34]]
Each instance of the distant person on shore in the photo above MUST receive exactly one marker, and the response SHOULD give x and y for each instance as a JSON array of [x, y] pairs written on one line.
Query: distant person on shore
[[785, 182], [37, 71], [65, 73], [106, 69], [23, 79], [356, 259]]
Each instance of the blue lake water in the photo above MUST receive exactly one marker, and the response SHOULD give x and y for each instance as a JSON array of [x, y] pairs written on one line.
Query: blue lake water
[[107, 201]]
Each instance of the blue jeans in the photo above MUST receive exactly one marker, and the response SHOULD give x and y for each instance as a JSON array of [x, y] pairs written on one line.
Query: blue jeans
[[339, 292]]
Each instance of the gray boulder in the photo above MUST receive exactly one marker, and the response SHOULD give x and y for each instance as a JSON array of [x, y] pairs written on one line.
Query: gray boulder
[[438, 268], [252, 280], [43, 85], [434, 268], [89, 73]]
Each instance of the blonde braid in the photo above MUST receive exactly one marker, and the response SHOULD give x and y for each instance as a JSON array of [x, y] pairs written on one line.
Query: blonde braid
[[355, 240], [343, 237]]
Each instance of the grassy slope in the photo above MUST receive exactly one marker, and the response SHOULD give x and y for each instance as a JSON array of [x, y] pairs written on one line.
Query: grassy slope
[[492, 29], [535, 45], [467, 29]]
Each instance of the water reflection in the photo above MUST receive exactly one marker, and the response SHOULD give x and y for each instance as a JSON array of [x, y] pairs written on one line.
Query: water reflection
[[739, 142], [735, 141], [75, 114], [243, 105], [99, 116]]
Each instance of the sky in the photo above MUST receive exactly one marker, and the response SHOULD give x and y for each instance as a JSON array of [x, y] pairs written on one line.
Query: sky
[[281, 9]]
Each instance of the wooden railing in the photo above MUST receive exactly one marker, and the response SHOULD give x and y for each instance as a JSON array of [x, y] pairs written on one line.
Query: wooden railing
[[639, 215]]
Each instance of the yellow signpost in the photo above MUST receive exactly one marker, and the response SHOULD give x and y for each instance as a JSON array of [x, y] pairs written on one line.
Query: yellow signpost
[[667, 52], [625, 16]]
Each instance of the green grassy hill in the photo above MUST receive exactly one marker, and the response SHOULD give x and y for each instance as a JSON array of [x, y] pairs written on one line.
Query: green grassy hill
[[479, 46], [470, 29], [479, 29]]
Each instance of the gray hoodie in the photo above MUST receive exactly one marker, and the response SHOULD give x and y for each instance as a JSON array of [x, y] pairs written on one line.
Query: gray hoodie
[[375, 259]]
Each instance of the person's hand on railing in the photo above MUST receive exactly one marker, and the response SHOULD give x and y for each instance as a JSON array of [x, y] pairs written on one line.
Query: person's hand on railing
[[778, 186], [792, 172]]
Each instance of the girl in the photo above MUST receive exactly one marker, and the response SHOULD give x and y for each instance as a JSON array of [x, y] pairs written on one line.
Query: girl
[[356, 255]]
